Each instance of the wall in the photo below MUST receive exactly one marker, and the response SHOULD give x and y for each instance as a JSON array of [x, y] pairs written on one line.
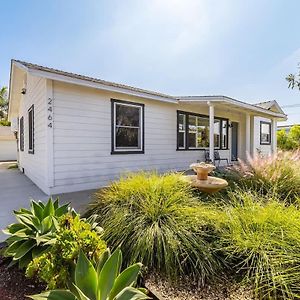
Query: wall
[[82, 138], [34, 165], [257, 147], [8, 144]]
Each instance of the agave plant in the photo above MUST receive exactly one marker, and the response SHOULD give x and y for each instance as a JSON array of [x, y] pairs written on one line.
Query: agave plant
[[33, 232], [105, 282]]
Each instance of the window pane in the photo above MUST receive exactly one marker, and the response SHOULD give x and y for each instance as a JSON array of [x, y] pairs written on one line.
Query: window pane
[[127, 137], [30, 130], [192, 140], [224, 134], [265, 133], [127, 115], [217, 133], [181, 131], [192, 124], [22, 134], [202, 132], [181, 140]]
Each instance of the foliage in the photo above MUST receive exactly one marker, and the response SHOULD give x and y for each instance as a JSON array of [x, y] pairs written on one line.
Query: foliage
[[105, 282], [279, 174], [261, 239], [35, 228], [3, 103], [294, 80], [55, 266], [4, 123], [289, 141], [156, 220]]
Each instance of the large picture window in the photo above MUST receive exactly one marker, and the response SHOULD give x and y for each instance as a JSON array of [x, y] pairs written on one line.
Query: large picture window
[[127, 127], [193, 132], [265, 133], [31, 130], [21, 134]]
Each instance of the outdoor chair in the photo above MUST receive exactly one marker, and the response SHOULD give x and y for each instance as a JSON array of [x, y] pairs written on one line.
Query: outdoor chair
[[218, 159]]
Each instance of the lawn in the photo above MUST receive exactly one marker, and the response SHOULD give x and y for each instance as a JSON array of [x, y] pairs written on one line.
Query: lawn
[[155, 231]]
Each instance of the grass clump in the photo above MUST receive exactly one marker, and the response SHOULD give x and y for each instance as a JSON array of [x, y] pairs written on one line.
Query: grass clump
[[261, 240], [279, 174], [156, 220]]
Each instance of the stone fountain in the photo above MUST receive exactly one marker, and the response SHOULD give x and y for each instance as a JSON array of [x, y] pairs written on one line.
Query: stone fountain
[[202, 181]]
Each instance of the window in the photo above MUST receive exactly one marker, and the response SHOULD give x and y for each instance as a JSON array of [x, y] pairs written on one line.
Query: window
[[193, 132], [31, 130], [22, 133], [127, 127], [265, 133]]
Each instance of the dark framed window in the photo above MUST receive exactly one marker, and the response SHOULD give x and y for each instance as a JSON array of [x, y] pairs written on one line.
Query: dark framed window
[[21, 134], [31, 130], [265, 133], [193, 131], [127, 127]]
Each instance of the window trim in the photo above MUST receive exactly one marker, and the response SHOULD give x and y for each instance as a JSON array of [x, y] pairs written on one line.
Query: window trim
[[187, 113], [260, 133], [31, 150], [21, 134], [142, 124]]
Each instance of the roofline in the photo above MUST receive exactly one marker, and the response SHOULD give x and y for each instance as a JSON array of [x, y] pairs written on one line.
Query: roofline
[[232, 101]]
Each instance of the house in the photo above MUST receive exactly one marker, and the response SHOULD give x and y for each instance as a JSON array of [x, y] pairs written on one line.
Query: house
[[8, 145], [77, 132]]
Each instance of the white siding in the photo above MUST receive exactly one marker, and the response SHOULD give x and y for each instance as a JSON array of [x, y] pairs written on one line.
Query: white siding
[[34, 165], [8, 144], [82, 138]]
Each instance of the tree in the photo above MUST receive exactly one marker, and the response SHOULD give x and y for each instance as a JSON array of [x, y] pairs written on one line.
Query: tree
[[3, 103], [294, 79], [289, 141]]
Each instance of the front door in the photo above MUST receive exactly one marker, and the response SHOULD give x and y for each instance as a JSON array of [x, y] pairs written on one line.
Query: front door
[[234, 140]]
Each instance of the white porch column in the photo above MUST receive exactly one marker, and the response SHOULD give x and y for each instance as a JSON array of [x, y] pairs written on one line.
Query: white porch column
[[211, 130], [274, 136], [248, 134]]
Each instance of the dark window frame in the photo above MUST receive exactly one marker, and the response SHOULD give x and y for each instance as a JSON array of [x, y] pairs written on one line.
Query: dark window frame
[[21, 134], [142, 122], [270, 132], [31, 132], [187, 114]]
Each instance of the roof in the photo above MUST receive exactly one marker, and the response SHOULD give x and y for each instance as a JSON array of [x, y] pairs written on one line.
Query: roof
[[56, 74]]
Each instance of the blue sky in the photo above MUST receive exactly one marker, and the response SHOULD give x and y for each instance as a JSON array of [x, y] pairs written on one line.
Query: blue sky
[[243, 49]]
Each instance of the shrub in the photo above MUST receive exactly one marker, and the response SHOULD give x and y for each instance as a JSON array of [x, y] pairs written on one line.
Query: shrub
[[35, 229], [105, 282], [261, 240], [4, 123], [156, 220], [279, 174], [55, 266]]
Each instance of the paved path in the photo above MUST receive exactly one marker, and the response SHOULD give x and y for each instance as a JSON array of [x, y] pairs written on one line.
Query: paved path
[[16, 190]]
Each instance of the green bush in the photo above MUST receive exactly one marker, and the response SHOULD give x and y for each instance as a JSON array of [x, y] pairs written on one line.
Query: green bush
[[103, 282], [261, 239], [34, 231], [156, 220], [278, 174], [56, 265], [4, 123], [290, 140]]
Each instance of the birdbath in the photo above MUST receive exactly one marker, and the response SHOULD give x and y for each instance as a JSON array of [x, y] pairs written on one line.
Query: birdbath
[[202, 181]]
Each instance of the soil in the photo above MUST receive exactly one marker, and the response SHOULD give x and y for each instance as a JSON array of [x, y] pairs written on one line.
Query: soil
[[13, 283]]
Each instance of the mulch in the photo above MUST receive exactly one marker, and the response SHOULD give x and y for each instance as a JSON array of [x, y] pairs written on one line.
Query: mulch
[[13, 283]]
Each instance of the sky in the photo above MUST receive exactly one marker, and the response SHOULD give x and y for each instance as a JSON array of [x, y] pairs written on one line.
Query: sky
[[238, 48]]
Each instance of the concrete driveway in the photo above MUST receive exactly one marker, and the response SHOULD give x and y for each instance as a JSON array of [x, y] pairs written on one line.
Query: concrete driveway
[[16, 190]]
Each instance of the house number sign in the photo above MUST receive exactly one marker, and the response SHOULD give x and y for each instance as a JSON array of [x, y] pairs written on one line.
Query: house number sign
[[50, 112]]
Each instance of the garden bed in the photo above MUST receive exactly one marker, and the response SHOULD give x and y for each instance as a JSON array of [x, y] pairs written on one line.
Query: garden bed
[[13, 283]]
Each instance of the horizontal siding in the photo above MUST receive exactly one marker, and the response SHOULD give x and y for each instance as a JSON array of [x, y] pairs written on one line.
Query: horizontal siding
[[82, 139]]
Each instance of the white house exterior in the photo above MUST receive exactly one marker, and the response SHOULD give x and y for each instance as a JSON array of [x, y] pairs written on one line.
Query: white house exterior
[[8, 144], [77, 133]]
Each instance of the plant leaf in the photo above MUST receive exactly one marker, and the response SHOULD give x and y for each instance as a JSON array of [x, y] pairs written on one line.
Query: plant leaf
[[62, 210], [86, 276], [49, 209], [37, 210], [46, 224], [108, 274], [131, 293], [24, 248], [127, 278], [54, 295], [11, 250], [103, 258]]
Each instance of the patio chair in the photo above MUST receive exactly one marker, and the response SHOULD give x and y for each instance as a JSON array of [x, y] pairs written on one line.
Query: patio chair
[[218, 159]]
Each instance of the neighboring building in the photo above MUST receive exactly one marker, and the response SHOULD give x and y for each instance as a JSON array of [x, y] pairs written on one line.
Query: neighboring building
[[286, 128], [8, 144], [77, 132]]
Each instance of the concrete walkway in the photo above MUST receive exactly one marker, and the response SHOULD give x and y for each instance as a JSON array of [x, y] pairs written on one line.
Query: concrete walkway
[[16, 190]]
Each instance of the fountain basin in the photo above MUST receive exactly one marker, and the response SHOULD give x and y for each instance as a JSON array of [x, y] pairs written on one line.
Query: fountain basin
[[210, 185], [202, 169]]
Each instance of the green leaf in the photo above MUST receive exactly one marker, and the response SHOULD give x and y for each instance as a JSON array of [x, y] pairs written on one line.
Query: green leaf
[[46, 224], [37, 210], [24, 248], [49, 209], [54, 295], [41, 204], [55, 204], [26, 220], [127, 278], [103, 258], [86, 276], [131, 293], [13, 228], [108, 274], [80, 295], [62, 210], [25, 260], [11, 250]]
